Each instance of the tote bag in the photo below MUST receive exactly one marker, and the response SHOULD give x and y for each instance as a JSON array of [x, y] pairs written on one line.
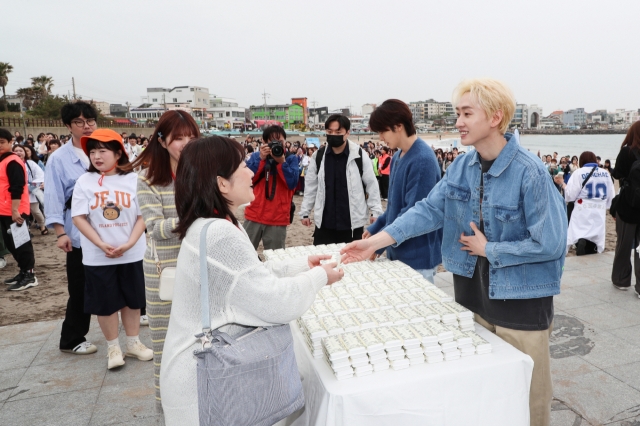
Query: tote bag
[[250, 379]]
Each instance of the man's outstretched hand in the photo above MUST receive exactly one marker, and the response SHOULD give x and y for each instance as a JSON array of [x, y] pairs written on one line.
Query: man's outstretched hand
[[357, 251]]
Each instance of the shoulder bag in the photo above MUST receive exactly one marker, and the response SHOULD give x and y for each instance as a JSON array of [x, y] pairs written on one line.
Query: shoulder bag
[[250, 379], [167, 276]]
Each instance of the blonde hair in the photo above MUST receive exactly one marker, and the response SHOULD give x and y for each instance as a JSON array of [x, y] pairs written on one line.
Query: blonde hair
[[490, 95]]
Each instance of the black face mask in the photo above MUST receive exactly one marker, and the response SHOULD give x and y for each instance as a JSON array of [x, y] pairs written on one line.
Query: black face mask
[[335, 141]]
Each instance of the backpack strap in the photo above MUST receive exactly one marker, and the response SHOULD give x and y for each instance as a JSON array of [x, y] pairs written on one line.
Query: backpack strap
[[358, 161], [319, 156]]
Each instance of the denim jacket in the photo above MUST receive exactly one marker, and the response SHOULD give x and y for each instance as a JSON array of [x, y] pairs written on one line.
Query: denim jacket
[[525, 222]]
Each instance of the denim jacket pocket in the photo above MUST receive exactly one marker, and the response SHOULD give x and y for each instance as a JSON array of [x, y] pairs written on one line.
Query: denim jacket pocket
[[457, 201], [506, 214], [510, 224]]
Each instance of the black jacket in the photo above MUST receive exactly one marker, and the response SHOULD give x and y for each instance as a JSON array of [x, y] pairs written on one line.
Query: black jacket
[[625, 160]]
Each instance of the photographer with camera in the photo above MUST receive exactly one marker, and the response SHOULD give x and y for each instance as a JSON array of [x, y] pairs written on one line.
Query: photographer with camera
[[275, 178]]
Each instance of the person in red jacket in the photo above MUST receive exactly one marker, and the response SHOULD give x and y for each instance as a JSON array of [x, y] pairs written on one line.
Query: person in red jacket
[[15, 208], [275, 178]]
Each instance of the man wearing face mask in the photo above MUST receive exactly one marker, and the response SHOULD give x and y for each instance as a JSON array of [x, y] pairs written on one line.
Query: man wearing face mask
[[275, 178], [340, 187]]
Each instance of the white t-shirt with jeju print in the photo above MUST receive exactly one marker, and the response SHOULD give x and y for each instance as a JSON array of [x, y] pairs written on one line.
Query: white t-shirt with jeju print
[[112, 209]]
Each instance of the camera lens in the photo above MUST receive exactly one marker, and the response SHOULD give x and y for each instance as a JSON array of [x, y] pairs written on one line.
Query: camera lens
[[277, 150]]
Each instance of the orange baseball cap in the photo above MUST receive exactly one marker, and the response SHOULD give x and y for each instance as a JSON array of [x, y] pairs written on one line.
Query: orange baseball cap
[[103, 135]]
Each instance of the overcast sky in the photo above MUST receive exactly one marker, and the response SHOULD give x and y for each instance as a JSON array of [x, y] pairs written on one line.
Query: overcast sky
[[559, 54]]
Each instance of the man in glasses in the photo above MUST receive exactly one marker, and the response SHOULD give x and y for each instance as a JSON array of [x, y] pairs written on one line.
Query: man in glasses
[[64, 167]]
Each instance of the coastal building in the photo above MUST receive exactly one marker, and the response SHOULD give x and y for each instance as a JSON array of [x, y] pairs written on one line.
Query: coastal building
[[305, 109], [577, 116], [423, 110], [225, 113], [627, 117], [14, 103], [367, 109], [193, 99], [103, 107], [417, 111], [196, 97], [148, 112], [526, 116], [569, 119], [317, 117], [118, 110], [290, 115]]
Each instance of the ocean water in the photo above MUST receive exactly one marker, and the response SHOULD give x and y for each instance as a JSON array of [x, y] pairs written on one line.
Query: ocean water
[[605, 146]]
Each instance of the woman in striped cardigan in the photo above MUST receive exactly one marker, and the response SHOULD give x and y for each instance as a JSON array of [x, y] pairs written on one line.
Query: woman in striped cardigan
[[157, 203]]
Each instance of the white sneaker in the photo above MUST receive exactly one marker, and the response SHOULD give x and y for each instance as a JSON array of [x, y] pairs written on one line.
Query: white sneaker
[[144, 320], [115, 357], [140, 351], [84, 348], [3, 262], [637, 294], [621, 288]]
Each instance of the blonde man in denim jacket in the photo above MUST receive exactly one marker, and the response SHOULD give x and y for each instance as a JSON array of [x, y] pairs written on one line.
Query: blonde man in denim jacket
[[497, 206]]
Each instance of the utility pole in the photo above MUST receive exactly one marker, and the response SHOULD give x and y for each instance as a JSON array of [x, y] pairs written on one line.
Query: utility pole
[[349, 106], [73, 82], [265, 95]]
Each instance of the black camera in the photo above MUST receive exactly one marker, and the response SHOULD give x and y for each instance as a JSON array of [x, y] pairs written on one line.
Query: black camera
[[277, 150]]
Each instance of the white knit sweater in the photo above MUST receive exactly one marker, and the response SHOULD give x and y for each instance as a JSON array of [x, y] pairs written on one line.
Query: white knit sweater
[[242, 292]]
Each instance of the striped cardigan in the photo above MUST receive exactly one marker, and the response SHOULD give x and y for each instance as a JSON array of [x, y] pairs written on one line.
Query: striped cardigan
[[157, 204]]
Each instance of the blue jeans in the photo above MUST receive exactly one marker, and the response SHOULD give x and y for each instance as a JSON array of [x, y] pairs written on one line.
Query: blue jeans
[[428, 274]]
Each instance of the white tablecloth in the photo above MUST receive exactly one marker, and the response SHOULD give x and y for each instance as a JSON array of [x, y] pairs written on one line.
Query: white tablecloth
[[490, 389]]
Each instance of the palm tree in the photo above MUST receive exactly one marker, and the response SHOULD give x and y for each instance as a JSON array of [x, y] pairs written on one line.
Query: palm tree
[[42, 83], [30, 96], [5, 69]]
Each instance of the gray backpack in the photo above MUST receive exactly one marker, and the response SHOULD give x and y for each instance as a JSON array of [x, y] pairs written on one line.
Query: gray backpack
[[251, 379]]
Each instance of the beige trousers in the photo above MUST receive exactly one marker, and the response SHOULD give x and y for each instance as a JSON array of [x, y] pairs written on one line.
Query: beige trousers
[[536, 345], [37, 214]]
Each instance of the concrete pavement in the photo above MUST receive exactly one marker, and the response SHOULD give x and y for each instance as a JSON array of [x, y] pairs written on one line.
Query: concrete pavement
[[595, 363]]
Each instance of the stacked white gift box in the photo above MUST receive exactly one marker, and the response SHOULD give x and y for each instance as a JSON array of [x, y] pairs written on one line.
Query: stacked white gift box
[[383, 315]]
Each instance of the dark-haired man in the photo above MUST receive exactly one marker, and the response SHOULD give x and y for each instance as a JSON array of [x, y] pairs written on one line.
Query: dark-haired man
[[340, 187], [414, 173], [64, 167], [275, 178], [15, 208]]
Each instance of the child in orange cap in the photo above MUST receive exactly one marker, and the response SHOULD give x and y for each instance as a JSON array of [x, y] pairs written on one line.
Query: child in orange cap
[[106, 212]]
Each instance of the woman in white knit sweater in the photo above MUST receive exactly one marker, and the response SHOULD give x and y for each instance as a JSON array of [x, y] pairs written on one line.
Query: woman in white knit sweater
[[212, 181]]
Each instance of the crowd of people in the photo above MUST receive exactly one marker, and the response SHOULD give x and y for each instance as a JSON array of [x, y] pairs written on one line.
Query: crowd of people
[[125, 208]]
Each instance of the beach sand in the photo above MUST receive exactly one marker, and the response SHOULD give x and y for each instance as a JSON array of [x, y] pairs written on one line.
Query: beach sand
[[48, 300]]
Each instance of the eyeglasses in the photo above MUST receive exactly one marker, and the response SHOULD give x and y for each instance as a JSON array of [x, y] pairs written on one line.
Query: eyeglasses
[[80, 123]]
